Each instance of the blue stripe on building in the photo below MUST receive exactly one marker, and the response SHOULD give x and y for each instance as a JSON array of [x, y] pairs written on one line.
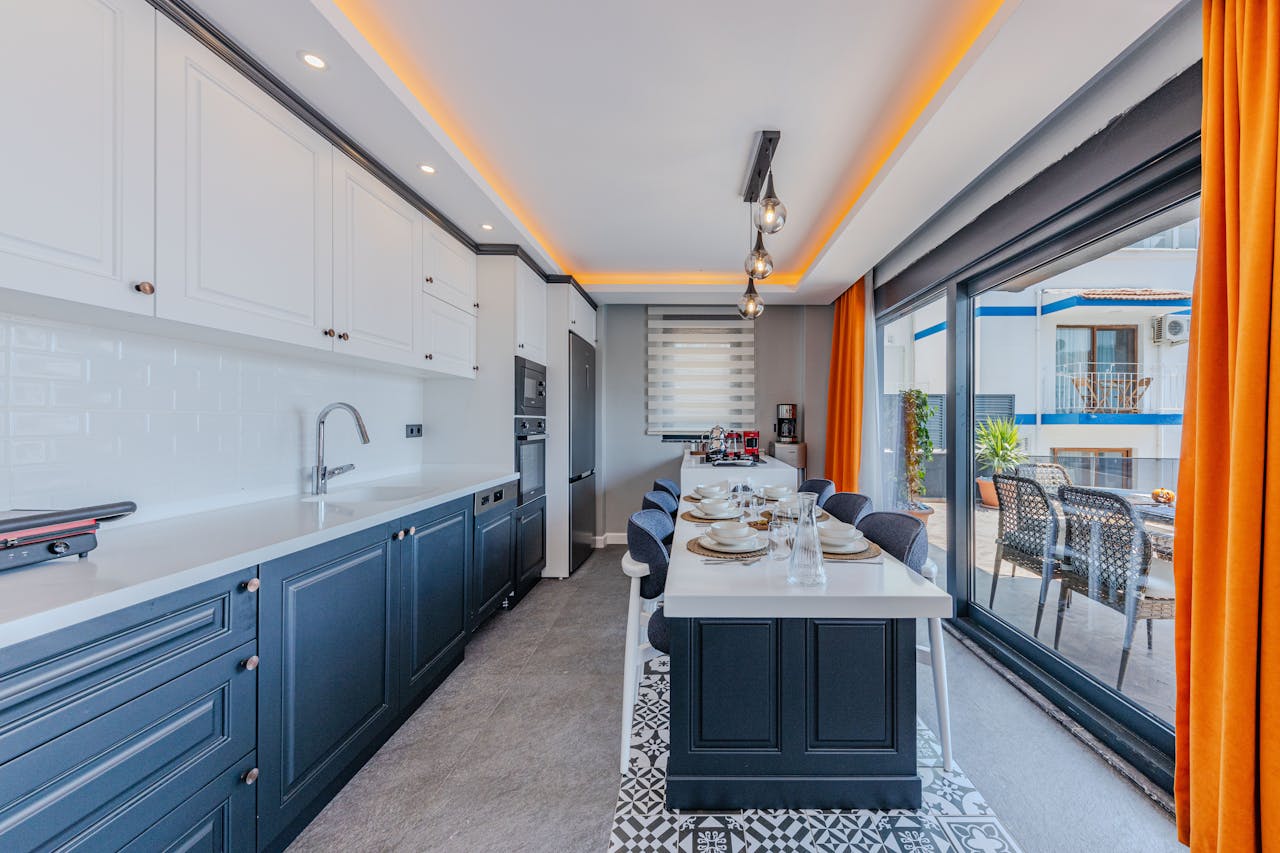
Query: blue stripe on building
[[1129, 418], [932, 330]]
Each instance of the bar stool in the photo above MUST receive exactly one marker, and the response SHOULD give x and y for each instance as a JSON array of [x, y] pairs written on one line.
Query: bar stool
[[660, 499], [671, 487], [646, 564], [904, 537], [824, 489], [848, 507]]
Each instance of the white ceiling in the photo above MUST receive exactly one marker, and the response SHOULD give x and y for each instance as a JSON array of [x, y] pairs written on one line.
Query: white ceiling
[[612, 139]]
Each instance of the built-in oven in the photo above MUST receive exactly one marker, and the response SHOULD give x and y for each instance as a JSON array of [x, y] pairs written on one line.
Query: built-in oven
[[531, 389], [531, 457]]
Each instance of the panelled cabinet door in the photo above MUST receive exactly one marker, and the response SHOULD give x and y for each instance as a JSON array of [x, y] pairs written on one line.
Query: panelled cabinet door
[[448, 268], [243, 197], [448, 338], [582, 317], [433, 561], [531, 315], [493, 565], [77, 204], [376, 252]]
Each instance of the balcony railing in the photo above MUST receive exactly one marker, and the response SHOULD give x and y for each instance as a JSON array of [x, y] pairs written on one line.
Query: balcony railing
[[1118, 388]]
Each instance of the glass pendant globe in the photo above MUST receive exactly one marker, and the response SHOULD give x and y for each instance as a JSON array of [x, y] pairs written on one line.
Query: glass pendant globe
[[750, 306], [770, 215], [759, 264]]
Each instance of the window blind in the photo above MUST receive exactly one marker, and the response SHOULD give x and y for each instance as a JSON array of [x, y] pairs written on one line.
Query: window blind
[[701, 370]]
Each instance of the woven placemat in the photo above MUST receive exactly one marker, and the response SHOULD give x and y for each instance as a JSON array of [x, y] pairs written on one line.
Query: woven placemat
[[872, 550], [698, 548], [693, 499], [688, 515], [823, 515]]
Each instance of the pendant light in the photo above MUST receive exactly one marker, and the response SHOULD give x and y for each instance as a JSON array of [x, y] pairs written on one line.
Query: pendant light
[[770, 214], [750, 306], [759, 264]]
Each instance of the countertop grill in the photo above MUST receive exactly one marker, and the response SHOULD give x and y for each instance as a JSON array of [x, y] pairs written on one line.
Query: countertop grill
[[29, 536]]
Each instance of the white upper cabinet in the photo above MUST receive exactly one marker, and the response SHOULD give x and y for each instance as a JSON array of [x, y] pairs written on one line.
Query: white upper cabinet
[[448, 268], [582, 317], [449, 337], [376, 254], [243, 192], [531, 314], [77, 215]]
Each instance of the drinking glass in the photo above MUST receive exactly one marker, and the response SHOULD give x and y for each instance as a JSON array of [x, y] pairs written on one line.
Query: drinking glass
[[781, 533]]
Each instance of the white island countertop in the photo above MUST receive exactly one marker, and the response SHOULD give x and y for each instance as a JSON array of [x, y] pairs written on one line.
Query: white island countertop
[[138, 562], [854, 590], [769, 471]]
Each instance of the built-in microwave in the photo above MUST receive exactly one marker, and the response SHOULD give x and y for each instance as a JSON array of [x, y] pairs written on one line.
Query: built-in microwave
[[531, 389]]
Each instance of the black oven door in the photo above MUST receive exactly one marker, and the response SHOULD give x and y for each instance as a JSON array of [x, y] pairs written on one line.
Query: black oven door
[[531, 463]]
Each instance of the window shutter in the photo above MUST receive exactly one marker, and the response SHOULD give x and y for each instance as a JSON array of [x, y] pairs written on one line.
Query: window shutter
[[701, 370]]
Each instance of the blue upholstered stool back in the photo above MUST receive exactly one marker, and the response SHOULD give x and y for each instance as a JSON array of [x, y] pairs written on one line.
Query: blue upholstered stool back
[[671, 487], [848, 507], [646, 531], [822, 488], [899, 534], [658, 499]]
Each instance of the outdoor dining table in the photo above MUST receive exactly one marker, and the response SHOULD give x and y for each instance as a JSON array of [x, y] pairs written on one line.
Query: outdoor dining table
[[1149, 510]]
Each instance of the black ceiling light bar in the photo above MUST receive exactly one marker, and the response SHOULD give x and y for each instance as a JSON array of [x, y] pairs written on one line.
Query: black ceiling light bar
[[766, 145]]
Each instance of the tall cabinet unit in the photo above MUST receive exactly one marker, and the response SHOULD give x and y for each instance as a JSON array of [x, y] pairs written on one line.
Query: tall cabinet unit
[[531, 315], [243, 243], [78, 217]]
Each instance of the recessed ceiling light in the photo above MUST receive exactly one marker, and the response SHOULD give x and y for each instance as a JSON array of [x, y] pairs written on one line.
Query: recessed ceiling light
[[311, 59], [430, 170], [487, 227]]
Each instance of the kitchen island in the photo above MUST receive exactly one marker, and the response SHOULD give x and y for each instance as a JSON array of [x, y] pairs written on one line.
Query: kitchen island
[[792, 697], [769, 471]]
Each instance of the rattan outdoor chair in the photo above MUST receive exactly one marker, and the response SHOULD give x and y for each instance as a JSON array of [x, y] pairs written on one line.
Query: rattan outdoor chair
[[1027, 535], [1108, 558], [1051, 475]]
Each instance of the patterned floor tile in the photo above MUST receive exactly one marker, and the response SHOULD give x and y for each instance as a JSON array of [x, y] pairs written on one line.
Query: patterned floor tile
[[953, 818]]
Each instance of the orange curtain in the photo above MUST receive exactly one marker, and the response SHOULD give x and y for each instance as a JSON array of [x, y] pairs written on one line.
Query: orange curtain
[[844, 388], [1227, 559]]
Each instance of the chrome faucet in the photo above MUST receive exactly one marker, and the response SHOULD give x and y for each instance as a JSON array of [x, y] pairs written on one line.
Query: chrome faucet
[[320, 474]]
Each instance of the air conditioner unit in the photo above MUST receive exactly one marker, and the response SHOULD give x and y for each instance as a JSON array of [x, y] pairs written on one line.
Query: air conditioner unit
[[1171, 329]]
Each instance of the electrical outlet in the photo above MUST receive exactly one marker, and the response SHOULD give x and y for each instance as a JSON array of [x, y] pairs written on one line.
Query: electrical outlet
[[413, 430]]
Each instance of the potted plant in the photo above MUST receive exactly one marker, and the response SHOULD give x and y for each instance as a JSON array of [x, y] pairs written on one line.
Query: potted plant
[[917, 451], [997, 446]]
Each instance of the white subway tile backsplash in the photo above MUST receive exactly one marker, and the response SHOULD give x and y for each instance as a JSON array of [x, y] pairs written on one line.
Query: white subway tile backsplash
[[93, 415]]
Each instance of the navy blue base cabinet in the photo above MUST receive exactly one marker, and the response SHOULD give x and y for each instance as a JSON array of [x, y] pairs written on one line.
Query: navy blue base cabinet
[[792, 713], [433, 587], [531, 546], [493, 564]]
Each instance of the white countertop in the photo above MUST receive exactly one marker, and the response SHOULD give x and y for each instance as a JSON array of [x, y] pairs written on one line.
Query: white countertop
[[862, 590], [767, 463], [769, 471], [139, 562]]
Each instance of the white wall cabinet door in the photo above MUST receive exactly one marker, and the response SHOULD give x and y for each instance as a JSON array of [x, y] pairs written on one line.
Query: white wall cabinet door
[[77, 214], [531, 314], [448, 268], [449, 336], [244, 222], [582, 317], [376, 254]]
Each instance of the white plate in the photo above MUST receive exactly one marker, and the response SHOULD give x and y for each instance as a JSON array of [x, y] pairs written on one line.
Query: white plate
[[852, 548], [752, 544], [715, 489], [729, 516]]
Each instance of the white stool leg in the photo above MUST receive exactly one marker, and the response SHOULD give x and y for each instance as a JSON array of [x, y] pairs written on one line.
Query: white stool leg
[[629, 666], [938, 659]]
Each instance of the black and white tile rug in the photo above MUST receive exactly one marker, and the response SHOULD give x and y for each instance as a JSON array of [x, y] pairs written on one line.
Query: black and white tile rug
[[954, 817]]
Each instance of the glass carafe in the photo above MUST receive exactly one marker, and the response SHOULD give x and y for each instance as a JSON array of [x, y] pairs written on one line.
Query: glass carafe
[[805, 568]]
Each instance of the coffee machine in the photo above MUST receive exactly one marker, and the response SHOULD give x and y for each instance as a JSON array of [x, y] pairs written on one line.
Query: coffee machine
[[787, 427]]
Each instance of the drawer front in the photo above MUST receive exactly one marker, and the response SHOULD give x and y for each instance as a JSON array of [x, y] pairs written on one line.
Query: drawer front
[[99, 786], [220, 818], [52, 684]]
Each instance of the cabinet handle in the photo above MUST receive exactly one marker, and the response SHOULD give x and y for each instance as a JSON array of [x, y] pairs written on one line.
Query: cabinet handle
[[430, 279], [251, 585], [145, 287], [344, 337], [429, 356], [250, 776], [250, 663], [328, 333]]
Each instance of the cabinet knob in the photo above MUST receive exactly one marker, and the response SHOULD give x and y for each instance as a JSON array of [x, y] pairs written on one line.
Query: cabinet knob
[[521, 346], [412, 530], [344, 337], [429, 356], [475, 367], [328, 333], [250, 776], [251, 585], [430, 279], [475, 304], [398, 535], [250, 663], [145, 287]]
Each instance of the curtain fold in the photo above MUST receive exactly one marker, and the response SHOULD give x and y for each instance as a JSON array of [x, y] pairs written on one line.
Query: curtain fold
[[845, 388], [1227, 560]]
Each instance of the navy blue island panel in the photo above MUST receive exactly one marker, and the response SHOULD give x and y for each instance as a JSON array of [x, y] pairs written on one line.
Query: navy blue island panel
[[793, 713]]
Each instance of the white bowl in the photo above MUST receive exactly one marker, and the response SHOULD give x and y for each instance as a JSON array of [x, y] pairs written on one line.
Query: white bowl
[[712, 490], [833, 530], [731, 531], [716, 506], [776, 492]]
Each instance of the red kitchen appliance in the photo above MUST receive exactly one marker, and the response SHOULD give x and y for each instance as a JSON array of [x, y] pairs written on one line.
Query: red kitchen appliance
[[33, 536], [751, 443]]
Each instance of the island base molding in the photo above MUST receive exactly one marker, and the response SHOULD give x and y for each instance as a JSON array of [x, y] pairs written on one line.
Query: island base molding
[[708, 793]]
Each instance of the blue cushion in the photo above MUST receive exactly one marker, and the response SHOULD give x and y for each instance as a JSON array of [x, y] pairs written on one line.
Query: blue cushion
[[822, 488], [658, 499], [660, 632], [900, 535], [848, 507], [671, 487], [646, 531]]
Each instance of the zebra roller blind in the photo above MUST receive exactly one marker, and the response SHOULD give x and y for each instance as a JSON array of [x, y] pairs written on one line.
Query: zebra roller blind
[[701, 370]]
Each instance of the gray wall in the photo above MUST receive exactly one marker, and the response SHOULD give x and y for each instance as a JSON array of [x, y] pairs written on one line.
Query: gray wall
[[793, 346]]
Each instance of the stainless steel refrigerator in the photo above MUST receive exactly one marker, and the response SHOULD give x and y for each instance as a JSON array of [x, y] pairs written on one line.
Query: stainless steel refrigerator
[[582, 450]]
